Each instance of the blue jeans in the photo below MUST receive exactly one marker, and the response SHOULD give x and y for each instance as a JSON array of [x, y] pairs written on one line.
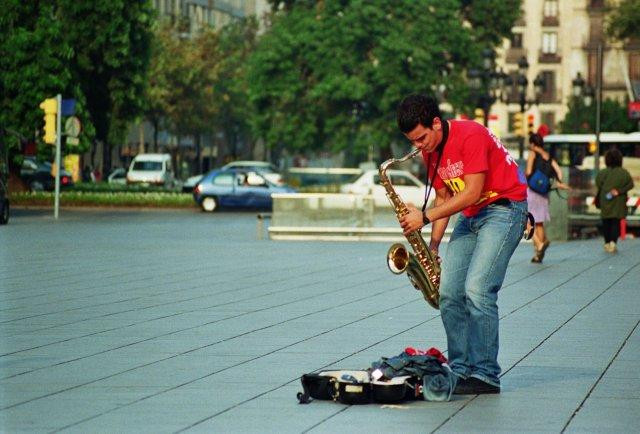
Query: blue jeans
[[472, 273]]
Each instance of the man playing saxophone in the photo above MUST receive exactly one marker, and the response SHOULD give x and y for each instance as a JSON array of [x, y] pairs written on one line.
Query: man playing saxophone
[[474, 174]]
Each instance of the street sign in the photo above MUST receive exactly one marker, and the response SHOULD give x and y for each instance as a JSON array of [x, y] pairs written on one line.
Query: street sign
[[634, 109], [72, 127], [68, 107]]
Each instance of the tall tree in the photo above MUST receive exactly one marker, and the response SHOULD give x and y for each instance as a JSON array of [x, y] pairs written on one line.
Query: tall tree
[[236, 41], [329, 74], [157, 90], [180, 96], [34, 60], [491, 20], [580, 118], [198, 85], [624, 21], [110, 42]]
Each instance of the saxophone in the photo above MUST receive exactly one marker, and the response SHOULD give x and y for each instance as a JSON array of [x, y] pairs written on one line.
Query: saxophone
[[422, 268]]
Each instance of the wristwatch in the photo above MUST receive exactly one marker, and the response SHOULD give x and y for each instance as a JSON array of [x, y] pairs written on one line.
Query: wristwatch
[[425, 219]]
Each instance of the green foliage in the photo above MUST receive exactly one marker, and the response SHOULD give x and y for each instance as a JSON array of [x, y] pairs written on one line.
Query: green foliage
[[110, 42], [236, 41], [95, 52], [180, 91], [114, 199], [329, 76], [199, 85], [491, 19], [33, 61], [582, 119], [624, 21], [105, 187]]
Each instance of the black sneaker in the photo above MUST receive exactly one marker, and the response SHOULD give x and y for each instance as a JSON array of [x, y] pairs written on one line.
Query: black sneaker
[[462, 387], [479, 387]]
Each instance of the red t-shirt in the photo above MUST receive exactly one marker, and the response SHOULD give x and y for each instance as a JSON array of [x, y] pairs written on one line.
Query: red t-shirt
[[471, 148]]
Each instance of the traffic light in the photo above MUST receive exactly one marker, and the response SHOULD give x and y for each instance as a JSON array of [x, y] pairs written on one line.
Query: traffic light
[[518, 126], [479, 115], [530, 120], [50, 108]]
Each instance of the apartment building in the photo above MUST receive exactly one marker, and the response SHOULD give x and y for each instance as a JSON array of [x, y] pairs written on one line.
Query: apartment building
[[196, 14], [559, 39]]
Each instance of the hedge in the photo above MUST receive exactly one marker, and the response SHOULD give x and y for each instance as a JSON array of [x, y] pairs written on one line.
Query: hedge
[[104, 199], [110, 195]]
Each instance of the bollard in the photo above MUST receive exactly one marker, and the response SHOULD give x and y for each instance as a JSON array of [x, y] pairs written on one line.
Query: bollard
[[260, 225], [623, 229], [558, 228]]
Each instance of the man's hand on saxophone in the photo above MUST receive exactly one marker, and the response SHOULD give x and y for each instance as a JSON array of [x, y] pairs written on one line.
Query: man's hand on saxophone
[[412, 221]]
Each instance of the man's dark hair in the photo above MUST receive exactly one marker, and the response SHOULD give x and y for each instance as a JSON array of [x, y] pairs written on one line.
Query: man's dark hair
[[417, 109], [537, 140], [613, 158]]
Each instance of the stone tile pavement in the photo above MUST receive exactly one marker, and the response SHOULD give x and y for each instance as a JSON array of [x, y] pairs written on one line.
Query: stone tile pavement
[[171, 321]]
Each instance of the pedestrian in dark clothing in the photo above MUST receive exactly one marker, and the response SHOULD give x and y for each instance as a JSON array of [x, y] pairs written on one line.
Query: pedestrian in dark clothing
[[613, 183]]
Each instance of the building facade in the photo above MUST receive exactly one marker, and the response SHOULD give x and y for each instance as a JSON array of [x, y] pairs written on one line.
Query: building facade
[[196, 14], [559, 39]]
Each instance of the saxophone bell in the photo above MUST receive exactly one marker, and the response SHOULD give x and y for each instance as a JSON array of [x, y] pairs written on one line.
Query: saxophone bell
[[422, 266], [397, 258]]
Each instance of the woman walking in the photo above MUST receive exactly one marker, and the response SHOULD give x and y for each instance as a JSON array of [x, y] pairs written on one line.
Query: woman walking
[[538, 203], [613, 183]]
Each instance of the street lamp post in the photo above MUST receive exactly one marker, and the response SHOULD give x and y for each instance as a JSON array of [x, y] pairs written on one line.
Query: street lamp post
[[581, 89], [489, 85], [522, 87]]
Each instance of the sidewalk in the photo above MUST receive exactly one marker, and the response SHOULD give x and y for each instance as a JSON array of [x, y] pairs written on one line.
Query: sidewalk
[[103, 331]]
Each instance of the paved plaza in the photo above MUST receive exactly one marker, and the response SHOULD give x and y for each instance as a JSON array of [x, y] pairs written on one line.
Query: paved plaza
[[171, 321]]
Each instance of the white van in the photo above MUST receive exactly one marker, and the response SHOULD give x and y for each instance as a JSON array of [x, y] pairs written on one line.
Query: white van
[[155, 169]]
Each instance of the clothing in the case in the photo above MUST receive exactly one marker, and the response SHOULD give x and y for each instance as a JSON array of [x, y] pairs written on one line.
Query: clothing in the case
[[471, 148]]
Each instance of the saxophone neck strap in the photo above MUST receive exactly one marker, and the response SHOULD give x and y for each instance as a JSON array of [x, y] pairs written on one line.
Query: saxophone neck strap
[[440, 150]]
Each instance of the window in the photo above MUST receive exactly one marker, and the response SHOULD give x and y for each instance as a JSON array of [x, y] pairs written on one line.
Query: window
[[223, 179], [549, 88], [549, 43], [512, 92], [634, 66], [550, 8], [147, 165], [516, 40]]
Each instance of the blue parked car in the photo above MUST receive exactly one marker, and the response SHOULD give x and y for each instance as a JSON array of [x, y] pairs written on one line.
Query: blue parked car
[[235, 188]]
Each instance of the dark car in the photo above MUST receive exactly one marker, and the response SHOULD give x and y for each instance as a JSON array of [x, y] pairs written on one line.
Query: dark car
[[234, 188], [4, 186], [38, 176], [4, 201]]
